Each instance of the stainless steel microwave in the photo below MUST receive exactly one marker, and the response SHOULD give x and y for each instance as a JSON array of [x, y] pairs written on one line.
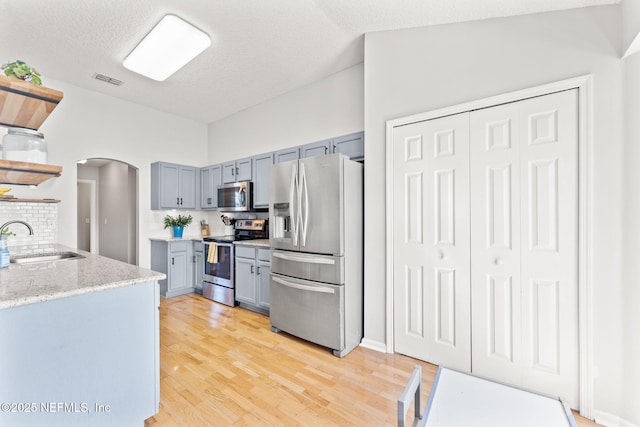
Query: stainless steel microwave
[[235, 197]]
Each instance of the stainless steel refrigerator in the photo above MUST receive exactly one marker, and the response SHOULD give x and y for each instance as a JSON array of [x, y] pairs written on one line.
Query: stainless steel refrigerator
[[316, 236]]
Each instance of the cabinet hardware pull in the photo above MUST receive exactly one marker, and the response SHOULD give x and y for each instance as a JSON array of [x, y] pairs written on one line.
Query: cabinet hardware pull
[[194, 259], [252, 269], [172, 260], [237, 171], [258, 271], [334, 149], [180, 200], [177, 200], [326, 149]]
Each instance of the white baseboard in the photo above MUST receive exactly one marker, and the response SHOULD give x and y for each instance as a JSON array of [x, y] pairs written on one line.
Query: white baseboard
[[610, 420], [374, 345]]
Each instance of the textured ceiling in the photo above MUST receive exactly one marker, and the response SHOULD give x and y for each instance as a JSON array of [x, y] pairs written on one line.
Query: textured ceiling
[[260, 49]]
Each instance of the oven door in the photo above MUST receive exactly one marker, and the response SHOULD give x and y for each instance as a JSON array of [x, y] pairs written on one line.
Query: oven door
[[221, 271]]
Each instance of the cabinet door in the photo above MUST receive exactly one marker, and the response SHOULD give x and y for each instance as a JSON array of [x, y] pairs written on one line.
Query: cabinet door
[[287, 154], [263, 271], [210, 178], [188, 187], [243, 170], [169, 186], [261, 167], [245, 280], [350, 145], [229, 172], [319, 148], [206, 184], [178, 263]]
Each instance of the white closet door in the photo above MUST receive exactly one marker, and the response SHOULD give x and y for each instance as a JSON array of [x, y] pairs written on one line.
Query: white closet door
[[524, 244], [431, 241]]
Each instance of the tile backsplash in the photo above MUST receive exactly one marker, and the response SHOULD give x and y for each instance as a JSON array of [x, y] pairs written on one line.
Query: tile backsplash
[[42, 217]]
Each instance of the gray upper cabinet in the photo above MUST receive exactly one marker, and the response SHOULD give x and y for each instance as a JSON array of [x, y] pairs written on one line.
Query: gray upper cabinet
[[210, 178], [351, 145], [318, 148], [261, 167], [173, 186], [239, 170], [286, 155]]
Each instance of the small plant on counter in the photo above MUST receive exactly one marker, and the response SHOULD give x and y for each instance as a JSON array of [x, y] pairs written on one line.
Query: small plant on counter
[[21, 70], [6, 233], [179, 221]]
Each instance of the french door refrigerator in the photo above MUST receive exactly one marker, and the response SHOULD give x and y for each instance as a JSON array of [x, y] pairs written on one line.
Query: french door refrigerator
[[316, 236]]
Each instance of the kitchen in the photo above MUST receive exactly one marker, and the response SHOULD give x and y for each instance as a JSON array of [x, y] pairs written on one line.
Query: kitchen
[[359, 97]]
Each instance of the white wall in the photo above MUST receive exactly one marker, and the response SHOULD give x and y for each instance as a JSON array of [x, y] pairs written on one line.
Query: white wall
[[631, 267], [87, 124], [327, 108], [423, 69]]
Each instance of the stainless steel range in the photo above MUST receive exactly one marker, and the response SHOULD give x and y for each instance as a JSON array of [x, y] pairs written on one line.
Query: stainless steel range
[[218, 281]]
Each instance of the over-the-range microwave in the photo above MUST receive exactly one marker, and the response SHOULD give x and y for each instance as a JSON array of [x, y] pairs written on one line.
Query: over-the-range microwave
[[235, 197]]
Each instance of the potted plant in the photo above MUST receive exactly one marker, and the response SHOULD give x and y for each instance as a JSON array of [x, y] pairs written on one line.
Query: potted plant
[[21, 70], [178, 223]]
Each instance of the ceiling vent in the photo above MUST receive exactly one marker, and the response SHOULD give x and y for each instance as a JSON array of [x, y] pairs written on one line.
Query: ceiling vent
[[108, 79]]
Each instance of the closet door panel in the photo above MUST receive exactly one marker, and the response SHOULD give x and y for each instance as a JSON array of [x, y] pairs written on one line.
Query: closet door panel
[[431, 247]]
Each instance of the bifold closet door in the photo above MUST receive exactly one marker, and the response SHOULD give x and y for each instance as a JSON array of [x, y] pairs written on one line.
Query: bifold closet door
[[431, 241], [524, 240]]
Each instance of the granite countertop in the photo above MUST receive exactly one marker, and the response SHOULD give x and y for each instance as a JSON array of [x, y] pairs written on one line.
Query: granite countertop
[[22, 284], [263, 243], [174, 239]]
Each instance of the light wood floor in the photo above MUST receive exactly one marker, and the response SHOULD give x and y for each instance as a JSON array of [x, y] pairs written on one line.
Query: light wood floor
[[223, 366]]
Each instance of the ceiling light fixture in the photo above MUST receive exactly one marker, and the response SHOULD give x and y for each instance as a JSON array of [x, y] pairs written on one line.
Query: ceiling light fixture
[[171, 44]]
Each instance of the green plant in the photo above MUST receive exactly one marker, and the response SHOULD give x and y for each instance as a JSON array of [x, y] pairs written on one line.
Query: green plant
[[179, 221], [6, 233], [21, 70]]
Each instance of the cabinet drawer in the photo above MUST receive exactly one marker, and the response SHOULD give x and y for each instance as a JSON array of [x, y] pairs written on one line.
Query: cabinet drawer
[[264, 254], [178, 246], [246, 252]]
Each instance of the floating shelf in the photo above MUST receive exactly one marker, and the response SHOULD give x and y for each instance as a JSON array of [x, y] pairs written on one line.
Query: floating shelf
[[25, 105], [23, 173], [15, 199]]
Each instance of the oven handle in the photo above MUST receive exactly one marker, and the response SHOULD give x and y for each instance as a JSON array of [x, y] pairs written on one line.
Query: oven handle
[[305, 259], [319, 289]]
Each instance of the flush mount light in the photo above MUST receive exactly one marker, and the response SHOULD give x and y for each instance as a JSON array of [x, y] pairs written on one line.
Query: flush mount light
[[171, 44], [82, 162]]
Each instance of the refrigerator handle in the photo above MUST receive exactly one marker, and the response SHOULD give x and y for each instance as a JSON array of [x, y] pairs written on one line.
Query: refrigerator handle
[[304, 215], [319, 289], [293, 187]]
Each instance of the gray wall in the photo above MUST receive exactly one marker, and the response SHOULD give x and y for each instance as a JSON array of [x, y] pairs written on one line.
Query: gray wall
[[423, 69], [114, 211]]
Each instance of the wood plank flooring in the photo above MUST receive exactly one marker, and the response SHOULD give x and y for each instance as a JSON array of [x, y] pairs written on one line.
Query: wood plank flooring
[[222, 366]]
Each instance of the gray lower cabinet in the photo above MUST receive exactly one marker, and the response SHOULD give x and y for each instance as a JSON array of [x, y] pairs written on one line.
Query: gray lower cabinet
[[173, 186], [210, 178], [253, 267], [198, 261], [176, 259]]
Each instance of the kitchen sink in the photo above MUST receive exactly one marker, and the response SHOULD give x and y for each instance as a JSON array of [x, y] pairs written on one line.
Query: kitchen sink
[[45, 257]]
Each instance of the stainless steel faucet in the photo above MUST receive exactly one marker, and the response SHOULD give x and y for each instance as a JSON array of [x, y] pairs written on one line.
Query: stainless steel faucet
[[6, 224]]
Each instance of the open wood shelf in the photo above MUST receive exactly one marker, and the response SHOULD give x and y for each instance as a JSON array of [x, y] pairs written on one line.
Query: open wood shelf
[[15, 199], [25, 105], [23, 173]]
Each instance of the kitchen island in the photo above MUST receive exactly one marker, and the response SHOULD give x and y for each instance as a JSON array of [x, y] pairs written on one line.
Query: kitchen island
[[79, 341]]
